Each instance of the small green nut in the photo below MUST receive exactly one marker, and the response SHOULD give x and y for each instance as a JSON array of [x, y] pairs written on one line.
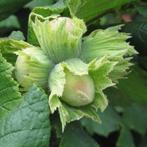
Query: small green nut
[[68, 24], [78, 90], [32, 66]]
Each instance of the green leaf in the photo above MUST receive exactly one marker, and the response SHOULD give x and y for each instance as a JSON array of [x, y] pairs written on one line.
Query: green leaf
[[138, 30], [110, 122], [10, 6], [89, 9], [142, 10], [74, 135], [135, 118], [9, 91], [17, 35], [46, 11], [39, 3], [10, 22], [143, 142], [109, 19], [132, 89], [142, 60], [125, 139], [28, 125]]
